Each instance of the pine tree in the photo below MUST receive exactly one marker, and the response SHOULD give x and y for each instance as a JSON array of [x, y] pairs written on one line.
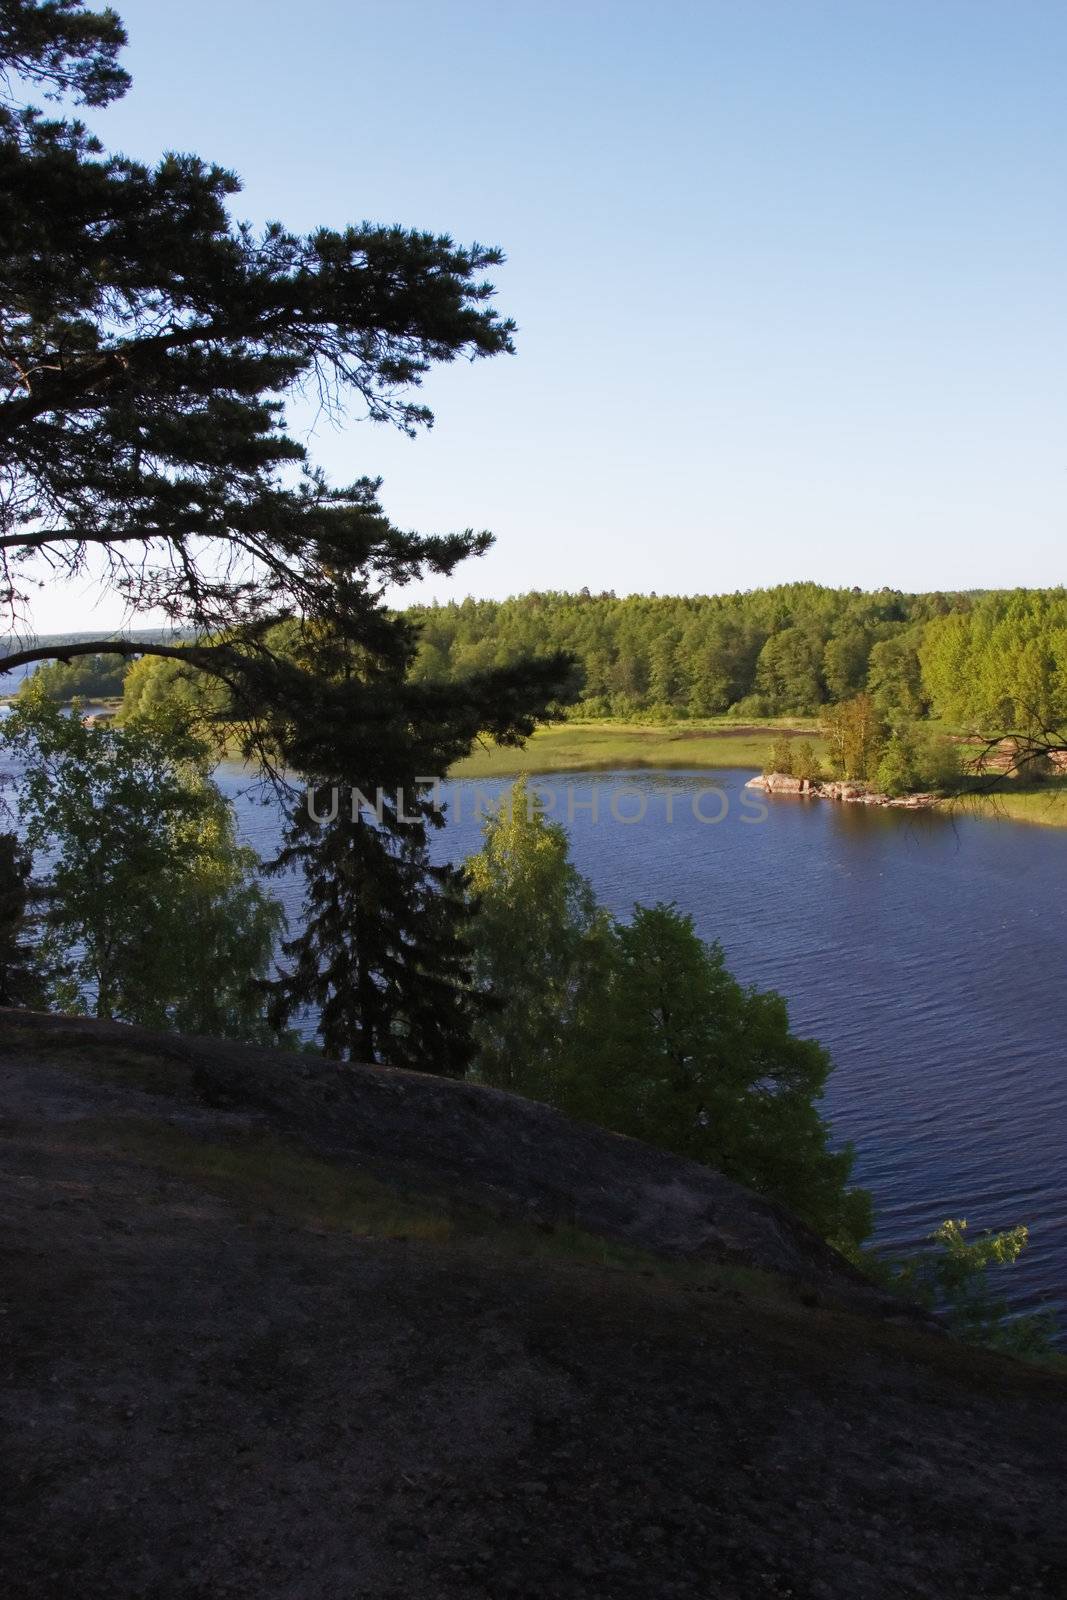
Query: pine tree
[[149, 345], [381, 955], [22, 981]]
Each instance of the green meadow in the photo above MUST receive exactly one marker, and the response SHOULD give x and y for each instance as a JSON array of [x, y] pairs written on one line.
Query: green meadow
[[589, 746]]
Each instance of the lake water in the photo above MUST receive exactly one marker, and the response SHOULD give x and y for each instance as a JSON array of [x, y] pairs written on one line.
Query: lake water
[[928, 954]]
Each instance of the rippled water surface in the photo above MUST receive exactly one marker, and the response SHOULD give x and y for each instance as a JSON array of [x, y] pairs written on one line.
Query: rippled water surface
[[929, 955]]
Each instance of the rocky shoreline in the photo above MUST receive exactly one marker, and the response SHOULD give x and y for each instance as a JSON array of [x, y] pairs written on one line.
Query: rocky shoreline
[[839, 789]]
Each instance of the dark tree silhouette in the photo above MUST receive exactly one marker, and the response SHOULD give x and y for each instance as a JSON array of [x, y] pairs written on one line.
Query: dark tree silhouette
[[148, 344]]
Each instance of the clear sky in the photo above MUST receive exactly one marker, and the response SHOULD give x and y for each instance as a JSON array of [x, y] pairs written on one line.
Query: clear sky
[[790, 275]]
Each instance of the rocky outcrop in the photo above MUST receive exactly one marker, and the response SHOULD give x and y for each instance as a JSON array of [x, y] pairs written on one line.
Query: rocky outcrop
[[780, 783], [848, 793], [464, 1143], [235, 1365]]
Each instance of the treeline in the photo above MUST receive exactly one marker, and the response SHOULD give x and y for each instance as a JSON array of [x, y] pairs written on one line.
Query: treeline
[[789, 649], [97, 677], [994, 661], [773, 652], [94, 677], [1001, 663]]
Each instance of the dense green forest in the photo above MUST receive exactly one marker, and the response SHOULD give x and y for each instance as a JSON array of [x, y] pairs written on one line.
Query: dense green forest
[[765, 652], [771, 652], [87, 678], [995, 661]]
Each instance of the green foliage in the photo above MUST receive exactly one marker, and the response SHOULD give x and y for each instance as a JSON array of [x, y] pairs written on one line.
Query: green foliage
[[788, 675], [997, 661], [940, 764], [681, 1055], [855, 734], [153, 913], [898, 770], [1002, 665], [781, 759], [639, 1026], [87, 678], [22, 981], [795, 758], [153, 684], [64, 49], [380, 955], [895, 760], [845, 662], [381, 952], [151, 342], [805, 761], [954, 1278], [768, 652], [894, 675], [539, 941]]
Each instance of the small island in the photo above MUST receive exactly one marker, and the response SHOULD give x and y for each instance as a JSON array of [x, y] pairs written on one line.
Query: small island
[[838, 789]]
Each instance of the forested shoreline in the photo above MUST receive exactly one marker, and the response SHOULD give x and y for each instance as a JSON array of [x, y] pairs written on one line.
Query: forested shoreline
[[992, 660], [993, 657]]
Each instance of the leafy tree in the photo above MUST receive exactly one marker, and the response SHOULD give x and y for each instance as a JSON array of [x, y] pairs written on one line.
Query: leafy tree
[[912, 760], [788, 672], [855, 734], [1001, 668], [898, 771], [895, 677], [640, 1027], [664, 679], [954, 1278], [781, 756], [381, 950], [380, 955], [149, 341], [681, 1055], [845, 662], [150, 344], [539, 941], [64, 49], [153, 913], [154, 684], [942, 768], [22, 980], [805, 761], [90, 678], [793, 647]]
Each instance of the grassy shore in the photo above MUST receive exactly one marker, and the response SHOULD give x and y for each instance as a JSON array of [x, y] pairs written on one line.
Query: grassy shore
[[1043, 804], [606, 745], [588, 746]]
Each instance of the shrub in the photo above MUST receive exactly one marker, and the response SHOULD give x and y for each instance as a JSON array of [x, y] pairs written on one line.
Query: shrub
[[806, 763], [954, 1279], [781, 756]]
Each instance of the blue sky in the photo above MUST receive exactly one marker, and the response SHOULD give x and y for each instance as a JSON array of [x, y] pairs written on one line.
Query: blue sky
[[789, 276]]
